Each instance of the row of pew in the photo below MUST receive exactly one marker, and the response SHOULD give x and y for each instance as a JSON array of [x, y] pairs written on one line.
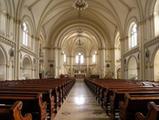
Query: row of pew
[[37, 99], [127, 99]]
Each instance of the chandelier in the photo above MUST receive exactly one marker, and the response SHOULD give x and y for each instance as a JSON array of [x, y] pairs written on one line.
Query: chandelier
[[80, 5]]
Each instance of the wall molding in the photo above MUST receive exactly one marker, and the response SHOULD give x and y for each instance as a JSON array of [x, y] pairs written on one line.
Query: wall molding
[[6, 41], [152, 42], [130, 52], [24, 49]]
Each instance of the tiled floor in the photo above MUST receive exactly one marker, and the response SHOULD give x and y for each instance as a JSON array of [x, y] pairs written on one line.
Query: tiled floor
[[81, 105]]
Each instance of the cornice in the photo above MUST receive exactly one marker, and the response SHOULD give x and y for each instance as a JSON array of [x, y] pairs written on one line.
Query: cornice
[[24, 49], [152, 42], [7, 41], [130, 52]]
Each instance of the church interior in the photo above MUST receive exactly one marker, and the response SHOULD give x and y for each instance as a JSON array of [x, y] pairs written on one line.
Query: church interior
[[79, 59]]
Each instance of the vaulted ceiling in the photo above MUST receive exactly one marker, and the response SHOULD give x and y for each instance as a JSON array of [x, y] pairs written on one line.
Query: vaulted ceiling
[[59, 21]]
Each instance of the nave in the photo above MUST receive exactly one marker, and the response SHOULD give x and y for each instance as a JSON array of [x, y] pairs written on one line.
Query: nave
[[81, 104]]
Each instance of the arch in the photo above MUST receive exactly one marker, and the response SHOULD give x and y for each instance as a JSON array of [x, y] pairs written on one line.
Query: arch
[[66, 12], [118, 76], [154, 61], [74, 27], [132, 35], [30, 30], [149, 9], [3, 63], [30, 23], [129, 20], [27, 67], [156, 66], [132, 68]]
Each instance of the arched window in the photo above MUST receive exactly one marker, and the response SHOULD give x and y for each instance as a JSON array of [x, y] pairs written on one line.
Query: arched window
[[156, 18], [133, 35], [64, 58], [94, 58], [25, 38], [79, 59]]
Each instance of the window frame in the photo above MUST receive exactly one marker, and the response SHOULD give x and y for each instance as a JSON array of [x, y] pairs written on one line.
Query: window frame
[[94, 58], [79, 58], [133, 36], [25, 34]]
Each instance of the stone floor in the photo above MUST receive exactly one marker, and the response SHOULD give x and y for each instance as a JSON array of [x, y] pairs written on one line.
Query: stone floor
[[81, 105]]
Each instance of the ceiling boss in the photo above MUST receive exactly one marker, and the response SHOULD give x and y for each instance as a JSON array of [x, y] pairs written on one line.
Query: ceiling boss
[[80, 5]]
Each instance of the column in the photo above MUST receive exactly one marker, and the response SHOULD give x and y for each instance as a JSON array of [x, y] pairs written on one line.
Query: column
[[71, 65], [87, 63], [57, 61], [141, 38], [16, 32], [37, 51], [123, 42], [101, 62]]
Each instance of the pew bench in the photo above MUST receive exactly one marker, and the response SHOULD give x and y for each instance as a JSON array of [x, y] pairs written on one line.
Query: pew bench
[[135, 103], [49, 93], [32, 103], [153, 113]]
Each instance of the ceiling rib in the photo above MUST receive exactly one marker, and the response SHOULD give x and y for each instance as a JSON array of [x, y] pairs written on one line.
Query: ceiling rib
[[34, 3]]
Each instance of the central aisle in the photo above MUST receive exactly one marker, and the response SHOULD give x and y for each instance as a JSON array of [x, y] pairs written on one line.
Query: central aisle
[[81, 105]]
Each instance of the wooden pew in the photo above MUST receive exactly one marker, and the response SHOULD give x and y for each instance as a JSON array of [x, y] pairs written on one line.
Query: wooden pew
[[52, 92], [110, 92], [153, 113], [118, 95], [39, 97], [32, 103], [13, 112], [134, 103]]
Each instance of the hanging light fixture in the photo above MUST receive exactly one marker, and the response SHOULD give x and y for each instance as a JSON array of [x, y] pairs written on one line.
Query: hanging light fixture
[[80, 5]]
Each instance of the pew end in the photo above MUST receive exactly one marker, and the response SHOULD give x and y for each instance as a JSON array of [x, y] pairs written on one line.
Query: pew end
[[13, 112], [17, 108]]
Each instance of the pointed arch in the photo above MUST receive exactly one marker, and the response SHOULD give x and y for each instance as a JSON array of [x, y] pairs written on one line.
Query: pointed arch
[[155, 63], [27, 67], [132, 68], [28, 30]]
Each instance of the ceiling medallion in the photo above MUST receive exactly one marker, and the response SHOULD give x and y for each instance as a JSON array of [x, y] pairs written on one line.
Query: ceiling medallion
[[80, 5]]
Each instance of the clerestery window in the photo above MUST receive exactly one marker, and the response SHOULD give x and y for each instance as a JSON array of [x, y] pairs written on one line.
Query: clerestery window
[[133, 35], [79, 58], [65, 58], [25, 39], [94, 58]]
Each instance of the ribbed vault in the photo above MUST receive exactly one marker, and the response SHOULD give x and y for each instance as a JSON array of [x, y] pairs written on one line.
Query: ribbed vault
[[106, 16]]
